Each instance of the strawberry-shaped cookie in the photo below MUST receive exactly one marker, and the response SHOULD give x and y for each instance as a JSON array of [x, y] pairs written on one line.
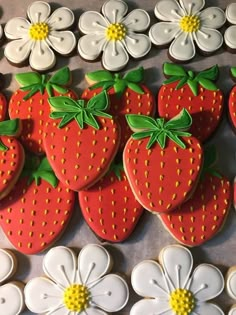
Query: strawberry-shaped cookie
[[30, 103], [162, 161], [109, 207], [232, 100], [203, 215], [80, 139], [195, 92], [37, 210], [3, 105], [128, 95]]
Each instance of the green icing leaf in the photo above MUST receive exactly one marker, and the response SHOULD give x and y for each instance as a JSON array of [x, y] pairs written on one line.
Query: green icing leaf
[[59, 89], [210, 157], [10, 127], [61, 77], [171, 69], [172, 79], [104, 84], [135, 76], [140, 122], [233, 71], [135, 87], [28, 78], [116, 168], [210, 74], [45, 172], [181, 83], [207, 84], [100, 76], [193, 84], [99, 101], [120, 87], [182, 121]]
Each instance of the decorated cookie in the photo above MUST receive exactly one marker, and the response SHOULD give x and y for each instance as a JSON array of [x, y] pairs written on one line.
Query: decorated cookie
[[34, 38], [172, 288], [231, 287], [232, 100], [195, 92], [77, 286], [127, 94], [203, 215], [114, 34], [109, 207], [229, 36], [37, 210], [11, 294], [184, 23], [3, 105], [30, 104], [162, 161], [81, 140]]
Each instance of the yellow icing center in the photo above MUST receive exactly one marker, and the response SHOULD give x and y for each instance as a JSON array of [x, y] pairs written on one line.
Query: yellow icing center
[[116, 31], [182, 302], [76, 298], [39, 31], [190, 23]]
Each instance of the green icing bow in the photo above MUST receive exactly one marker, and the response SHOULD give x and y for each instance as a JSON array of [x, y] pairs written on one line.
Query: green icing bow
[[34, 82], [107, 80], [9, 128], [69, 109], [158, 129], [178, 73]]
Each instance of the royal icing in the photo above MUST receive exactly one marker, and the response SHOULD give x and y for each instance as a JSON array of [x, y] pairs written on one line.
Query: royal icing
[[229, 36], [114, 33], [11, 294], [183, 23], [171, 288], [33, 38], [77, 286], [231, 287]]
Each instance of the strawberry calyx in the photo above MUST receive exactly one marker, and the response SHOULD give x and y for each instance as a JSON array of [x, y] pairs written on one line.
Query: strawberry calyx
[[210, 157], [35, 82], [158, 130], [116, 168], [204, 78], [107, 80], [10, 128], [82, 112], [233, 72]]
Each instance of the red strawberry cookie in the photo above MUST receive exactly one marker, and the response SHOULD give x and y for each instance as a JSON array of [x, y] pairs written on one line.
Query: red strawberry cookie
[[203, 215], [195, 92], [30, 103], [3, 105], [162, 161], [37, 210], [81, 140], [128, 95], [109, 207], [232, 100]]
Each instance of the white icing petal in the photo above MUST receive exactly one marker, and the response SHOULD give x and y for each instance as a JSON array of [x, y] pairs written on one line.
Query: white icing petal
[[150, 307], [42, 57], [138, 20], [93, 311], [231, 13], [17, 28], [114, 10], [110, 293], [42, 295], [207, 282], [192, 7], [208, 40], [93, 262], [59, 264], [18, 50], [1, 31], [177, 262], [63, 42], [163, 33], [61, 19], [91, 22], [137, 45], [232, 311], [62, 311], [38, 11], [11, 299], [7, 265], [231, 284], [183, 48], [207, 308], [90, 46], [148, 280], [169, 10], [114, 56], [230, 37], [212, 17]]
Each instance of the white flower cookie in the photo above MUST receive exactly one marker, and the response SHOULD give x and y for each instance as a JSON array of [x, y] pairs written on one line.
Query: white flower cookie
[[35, 37], [170, 288], [76, 286], [183, 24], [11, 294], [114, 34], [230, 33], [231, 287]]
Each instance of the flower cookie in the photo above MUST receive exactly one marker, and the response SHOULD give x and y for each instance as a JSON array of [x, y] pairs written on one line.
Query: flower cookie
[[229, 36], [183, 23], [11, 294], [34, 38], [231, 287], [172, 288], [114, 34], [77, 285]]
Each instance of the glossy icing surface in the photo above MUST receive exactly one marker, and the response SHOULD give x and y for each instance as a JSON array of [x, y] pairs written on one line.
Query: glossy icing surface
[[230, 33]]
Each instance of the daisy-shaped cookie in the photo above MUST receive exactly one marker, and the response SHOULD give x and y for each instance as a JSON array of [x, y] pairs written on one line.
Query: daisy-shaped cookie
[[230, 33], [76, 286], [171, 288], [11, 294], [35, 37], [231, 287], [114, 34], [183, 24]]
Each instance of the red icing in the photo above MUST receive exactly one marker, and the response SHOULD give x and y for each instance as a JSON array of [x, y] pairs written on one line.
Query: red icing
[[232, 106]]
